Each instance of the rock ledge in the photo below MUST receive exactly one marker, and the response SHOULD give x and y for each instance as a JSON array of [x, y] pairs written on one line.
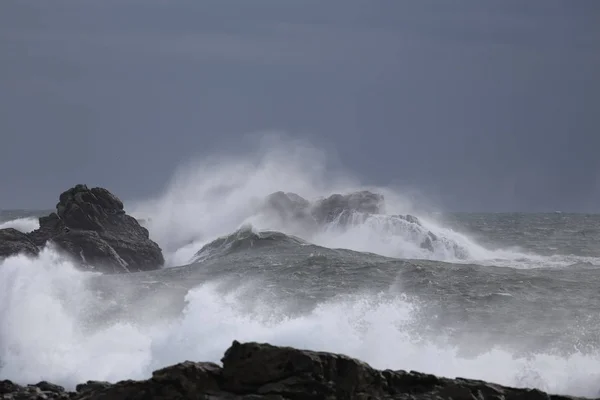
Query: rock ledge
[[262, 371]]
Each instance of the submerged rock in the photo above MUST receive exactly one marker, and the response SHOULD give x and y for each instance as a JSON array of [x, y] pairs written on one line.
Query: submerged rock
[[262, 371], [91, 226]]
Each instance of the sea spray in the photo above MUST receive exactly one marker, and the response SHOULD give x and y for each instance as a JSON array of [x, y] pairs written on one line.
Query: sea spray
[[43, 334]]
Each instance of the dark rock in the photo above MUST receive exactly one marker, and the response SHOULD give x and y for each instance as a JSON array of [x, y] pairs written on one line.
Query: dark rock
[[410, 218], [262, 371], [92, 227], [340, 208], [14, 242], [7, 387], [40, 391], [49, 387], [427, 244], [290, 208], [91, 251], [50, 226], [90, 386]]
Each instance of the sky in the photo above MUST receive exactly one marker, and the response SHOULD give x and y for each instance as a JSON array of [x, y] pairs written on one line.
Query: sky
[[483, 106]]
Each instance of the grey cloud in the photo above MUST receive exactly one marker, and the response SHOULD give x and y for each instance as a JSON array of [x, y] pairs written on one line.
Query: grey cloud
[[482, 105]]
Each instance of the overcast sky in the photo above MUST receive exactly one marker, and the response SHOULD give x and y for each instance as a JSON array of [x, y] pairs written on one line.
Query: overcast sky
[[483, 105]]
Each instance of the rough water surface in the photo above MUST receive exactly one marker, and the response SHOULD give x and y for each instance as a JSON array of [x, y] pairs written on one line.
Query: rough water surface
[[507, 298]]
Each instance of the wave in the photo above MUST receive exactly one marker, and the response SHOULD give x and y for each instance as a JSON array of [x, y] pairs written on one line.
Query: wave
[[52, 324], [216, 196], [50, 336], [24, 225]]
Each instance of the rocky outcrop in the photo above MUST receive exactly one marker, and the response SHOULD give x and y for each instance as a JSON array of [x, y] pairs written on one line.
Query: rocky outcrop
[[290, 207], [340, 208], [91, 225], [262, 371], [14, 242], [345, 210]]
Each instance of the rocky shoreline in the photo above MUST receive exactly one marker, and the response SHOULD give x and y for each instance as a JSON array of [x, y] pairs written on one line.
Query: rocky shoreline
[[92, 228], [255, 371]]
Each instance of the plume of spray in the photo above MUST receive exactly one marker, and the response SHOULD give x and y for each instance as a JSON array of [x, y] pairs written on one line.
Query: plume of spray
[[214, 196]]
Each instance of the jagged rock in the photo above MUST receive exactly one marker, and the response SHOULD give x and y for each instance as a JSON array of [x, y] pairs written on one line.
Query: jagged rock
[[409, 218], [93, 209], [91, 251], [90, 386], [40, 391], [288, 205], [49, 387], [299, 216], [50, 226], [14, 242], [427, 244], [340, 207], [290, 209], [262, 371], [92, 227]]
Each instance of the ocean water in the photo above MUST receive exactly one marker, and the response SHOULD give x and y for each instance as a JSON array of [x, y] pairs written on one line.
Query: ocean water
[[511, 298]]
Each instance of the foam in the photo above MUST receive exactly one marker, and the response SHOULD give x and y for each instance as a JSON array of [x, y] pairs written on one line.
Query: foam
[[47, 329], [45, 334], [24, 225], [215, 196]]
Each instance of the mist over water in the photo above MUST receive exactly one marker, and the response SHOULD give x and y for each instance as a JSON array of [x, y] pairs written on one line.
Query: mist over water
[[49, 329]]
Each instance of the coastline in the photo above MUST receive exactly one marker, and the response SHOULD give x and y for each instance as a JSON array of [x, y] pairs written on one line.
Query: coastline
[[263, 371]]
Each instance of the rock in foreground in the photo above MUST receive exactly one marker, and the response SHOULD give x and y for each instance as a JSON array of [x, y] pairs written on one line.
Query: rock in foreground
[[91, 226], [262, 371]]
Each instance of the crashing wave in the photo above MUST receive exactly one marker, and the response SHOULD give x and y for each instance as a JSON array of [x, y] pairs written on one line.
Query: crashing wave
[[339, 213]]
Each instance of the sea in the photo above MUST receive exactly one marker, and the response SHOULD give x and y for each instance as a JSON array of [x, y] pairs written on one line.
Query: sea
[[511, 298]]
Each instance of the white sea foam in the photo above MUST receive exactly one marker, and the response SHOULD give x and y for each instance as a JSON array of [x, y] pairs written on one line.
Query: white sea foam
[[43, 334], [24, 225]]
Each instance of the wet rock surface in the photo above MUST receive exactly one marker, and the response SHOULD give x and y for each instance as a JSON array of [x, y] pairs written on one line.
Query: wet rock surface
[[344, 210], [92, 227], [14, 242], [262, 371]]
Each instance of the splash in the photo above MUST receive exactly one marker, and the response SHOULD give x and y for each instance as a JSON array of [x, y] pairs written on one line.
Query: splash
[[46, 333], [214, 197], [24, 225]]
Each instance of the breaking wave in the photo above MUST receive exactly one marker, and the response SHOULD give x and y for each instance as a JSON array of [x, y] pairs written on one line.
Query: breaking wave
[[216, 196], [46, 299], [24, 225], [47, 328]]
